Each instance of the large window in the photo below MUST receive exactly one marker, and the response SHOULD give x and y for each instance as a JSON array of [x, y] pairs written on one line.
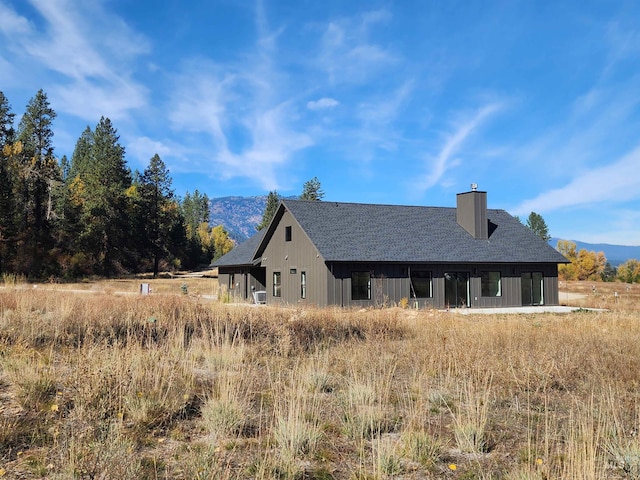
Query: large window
[[360, 286], [303, 284], [277, 279], [421, 284], [491, 284]]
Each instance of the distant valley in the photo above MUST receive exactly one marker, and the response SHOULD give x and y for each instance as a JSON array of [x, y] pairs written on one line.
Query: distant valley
[[240, 215]]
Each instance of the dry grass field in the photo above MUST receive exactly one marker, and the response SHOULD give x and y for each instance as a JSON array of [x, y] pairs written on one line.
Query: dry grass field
[[100, 382]]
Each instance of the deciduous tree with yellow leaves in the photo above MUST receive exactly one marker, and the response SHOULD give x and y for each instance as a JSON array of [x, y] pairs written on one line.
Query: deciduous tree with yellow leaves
[[221, 241], [585, 264], [629, 271]]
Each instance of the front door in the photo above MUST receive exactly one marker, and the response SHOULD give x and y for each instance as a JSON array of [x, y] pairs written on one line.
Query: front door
[[456, 289], [532, 288]]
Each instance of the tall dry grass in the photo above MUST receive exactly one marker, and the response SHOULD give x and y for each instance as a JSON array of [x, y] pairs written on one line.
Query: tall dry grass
[[169, 386]]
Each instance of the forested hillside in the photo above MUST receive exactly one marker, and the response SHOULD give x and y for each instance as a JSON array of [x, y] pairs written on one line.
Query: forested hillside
[[238, 215], [92, 215]]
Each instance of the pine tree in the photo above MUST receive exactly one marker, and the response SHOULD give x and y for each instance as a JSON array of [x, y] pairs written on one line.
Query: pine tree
[[7, 203], [82, 154], [609, 273], [312, 190], [105, 219], [273, 199], [195, 209], [536, 223], [160, 211], [77, 258], [7, 132], [39, 173]]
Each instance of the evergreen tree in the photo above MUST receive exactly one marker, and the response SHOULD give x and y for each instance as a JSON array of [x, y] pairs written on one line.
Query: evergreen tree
[[195, 210], [77, 257], [7, 203], [312, 190], [609, 273], [39, 173], [159, 209], [7, 132], [273, 199], [105, 220], [536, 223], [82, 157]]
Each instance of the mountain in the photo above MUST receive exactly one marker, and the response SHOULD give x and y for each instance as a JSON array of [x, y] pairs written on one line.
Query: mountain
[[238, 215], [616, 254]]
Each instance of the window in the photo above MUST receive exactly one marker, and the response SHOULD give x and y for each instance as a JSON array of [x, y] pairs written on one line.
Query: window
[[287, 234], [303, 284], [277, 284], [293, 271], [360, 286], [421, 284], [491, 284], [232, 281]]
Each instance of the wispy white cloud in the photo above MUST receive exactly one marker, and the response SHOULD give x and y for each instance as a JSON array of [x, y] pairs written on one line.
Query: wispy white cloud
[[589, 155], [347, 53], [244, 138], [273, 144], [12, 24], [199, 101], [322, 103], [376, 117], [143, 148], [91, 100], [617, 182], [445, 159], [246, 110], [89, 48]]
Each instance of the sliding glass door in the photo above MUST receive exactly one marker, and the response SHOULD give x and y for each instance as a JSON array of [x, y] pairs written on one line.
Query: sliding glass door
[[532, 288], [456, 289]]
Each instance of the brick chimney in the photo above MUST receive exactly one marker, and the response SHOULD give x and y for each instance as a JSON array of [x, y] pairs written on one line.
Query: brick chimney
[[471, 212]]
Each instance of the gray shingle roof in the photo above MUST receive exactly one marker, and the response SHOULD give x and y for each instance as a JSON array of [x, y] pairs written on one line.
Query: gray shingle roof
[[355, 232], [242, 254], [351, 232]]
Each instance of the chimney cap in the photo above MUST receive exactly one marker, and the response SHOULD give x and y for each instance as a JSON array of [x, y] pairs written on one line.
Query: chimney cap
[[474, 187]]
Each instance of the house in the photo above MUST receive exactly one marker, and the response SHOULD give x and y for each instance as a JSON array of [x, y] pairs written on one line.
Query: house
[[359, 255]]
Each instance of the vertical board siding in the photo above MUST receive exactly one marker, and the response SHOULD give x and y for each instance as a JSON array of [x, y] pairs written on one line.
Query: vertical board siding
[[299, 254], [331, 284], [396, 284]]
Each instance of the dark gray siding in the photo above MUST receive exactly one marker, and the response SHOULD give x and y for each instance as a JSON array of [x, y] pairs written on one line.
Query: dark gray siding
[[298, 255], [246, 280], [390, 283]]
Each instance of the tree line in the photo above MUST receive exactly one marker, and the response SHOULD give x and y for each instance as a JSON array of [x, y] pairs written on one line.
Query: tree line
[[92, 215], [593, 266], [585, 264]]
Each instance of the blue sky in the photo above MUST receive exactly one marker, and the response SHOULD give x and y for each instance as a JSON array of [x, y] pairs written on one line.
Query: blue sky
[[537, 102]]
